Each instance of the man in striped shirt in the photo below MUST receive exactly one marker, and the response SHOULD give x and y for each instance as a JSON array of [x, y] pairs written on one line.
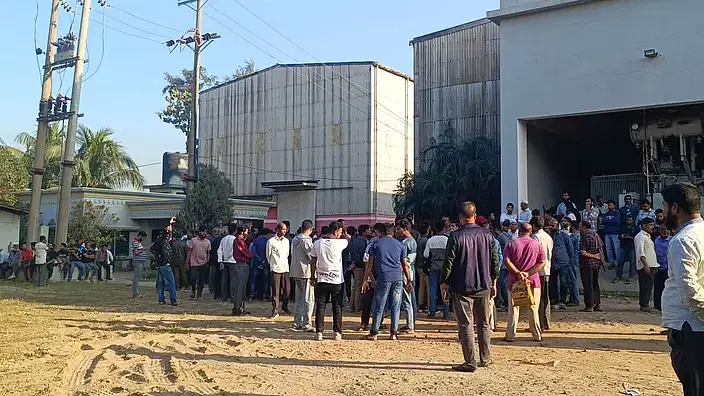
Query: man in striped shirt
[[139, 259]]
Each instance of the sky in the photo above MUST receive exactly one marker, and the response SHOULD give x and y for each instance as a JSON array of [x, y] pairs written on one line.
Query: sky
[[125, 70]]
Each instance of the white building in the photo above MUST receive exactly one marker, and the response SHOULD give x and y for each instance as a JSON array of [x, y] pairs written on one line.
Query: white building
[[328, 140], [590, 88], [9, 225]]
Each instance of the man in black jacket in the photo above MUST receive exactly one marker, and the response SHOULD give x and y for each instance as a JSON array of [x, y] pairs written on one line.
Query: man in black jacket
[[470, 271]]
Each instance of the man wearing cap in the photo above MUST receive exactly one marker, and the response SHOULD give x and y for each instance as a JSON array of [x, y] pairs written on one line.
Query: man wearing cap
[[646, 263], [525, 214]]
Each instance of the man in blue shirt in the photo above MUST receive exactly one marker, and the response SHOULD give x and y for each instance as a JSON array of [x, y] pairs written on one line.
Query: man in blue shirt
[[662, 243], [390, 266], [259, 267], [611, 222], [629, 209]]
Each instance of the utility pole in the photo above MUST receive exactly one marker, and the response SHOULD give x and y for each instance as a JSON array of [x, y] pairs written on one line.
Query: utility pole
[[193, 134], [70, 149], [40, 142]]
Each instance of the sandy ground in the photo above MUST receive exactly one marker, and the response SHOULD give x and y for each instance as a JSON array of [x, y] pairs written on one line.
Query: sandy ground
[[87, 339]]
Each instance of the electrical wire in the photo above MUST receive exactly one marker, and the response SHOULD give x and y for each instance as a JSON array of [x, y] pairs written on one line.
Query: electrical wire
[[137, 28], [404, 134], [143, 19], [129, 34], [39, 68], [359, 87], [102, 49]]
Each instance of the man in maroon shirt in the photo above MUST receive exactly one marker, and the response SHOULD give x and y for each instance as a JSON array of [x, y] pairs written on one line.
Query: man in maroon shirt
[[234, 256]]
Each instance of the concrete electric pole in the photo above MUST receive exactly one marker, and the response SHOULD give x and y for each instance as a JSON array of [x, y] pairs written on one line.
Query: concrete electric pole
[[40, 142], [193, 134], [70, 148]]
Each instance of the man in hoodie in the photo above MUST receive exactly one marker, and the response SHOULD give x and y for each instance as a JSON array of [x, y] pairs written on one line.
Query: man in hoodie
[[435, 252], [301, 248]]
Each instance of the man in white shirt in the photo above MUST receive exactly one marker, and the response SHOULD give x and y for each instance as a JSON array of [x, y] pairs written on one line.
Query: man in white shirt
[[40, 251], [328, 278], [683, 297], [508, 215], [525, 214], [546, 243], [277, 251], [646, 263]]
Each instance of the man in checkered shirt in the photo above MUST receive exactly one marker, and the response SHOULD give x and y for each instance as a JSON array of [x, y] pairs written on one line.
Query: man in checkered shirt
[[591, 259]]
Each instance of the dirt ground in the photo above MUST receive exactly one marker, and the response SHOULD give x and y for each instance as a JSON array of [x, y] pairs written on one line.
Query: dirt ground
[[87, 339]]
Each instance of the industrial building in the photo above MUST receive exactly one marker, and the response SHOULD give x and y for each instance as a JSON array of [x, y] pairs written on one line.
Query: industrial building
[[327, 140], [599, 97], [456, 77]]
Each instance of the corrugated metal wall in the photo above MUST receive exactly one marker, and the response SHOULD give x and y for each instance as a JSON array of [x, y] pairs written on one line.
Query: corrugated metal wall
[[456, 77], [295, 122]]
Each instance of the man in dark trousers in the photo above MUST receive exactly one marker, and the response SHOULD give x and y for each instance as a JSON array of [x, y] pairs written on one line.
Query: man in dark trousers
[[470, 271]]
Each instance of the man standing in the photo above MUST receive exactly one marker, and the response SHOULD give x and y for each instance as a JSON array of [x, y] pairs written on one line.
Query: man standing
[[646, 211], [612, 232], [162, 251], [547, 244], [566, 206], [508, 215], [662, 243], [198, 258], [103, 262], [590, 213], [504, 238], [646, 263], [627, 251], [139, 259], [591, 258], [259, 269], [683, 298], [563, 257], [389, 262], [357, 247], [301, 249], [422, 267], [408, 303], [277, 252], [213, 269], [524, 258], [234, 256], [470, 271], [525, 214], [435, 253], [180, 263], [628, 209], [328, 278], [40, 252]]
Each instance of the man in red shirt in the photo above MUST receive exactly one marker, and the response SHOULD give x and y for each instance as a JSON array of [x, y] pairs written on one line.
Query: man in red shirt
[[234, 256], [26, 262]]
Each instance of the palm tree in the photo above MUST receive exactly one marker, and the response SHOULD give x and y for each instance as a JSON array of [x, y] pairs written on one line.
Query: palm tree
[[454, 171], [54, 152], [102, 162]]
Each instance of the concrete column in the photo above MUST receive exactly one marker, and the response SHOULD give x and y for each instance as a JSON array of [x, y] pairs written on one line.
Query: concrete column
[[514, 170]]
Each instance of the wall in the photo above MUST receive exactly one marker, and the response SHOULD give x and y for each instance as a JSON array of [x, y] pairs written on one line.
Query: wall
[[456, 77], [589, 58], [392, 136], [295, 206], [9, 229]]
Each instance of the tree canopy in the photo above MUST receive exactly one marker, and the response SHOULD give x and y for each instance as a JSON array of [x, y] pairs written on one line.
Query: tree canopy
[[208, 204], [14, 175], [91, 222], [453, 171]]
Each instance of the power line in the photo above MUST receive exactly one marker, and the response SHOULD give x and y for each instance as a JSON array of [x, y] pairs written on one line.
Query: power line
[[39, 68], [301, 74], [102, 49], [359, 87], [136, 28], [144, 20], [129, 34]]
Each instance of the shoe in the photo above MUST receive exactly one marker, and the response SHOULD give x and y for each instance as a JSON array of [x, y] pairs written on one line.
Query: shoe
[[561, 306], [431, 316], [307, 329], [597, 308], [338, 336], [273, 316], [485, 363], [464, 368], [586, 310], [318, 336], [554, 307], [573, 304], [162, 302], [616, 280], [363, 329], [502, 309], [647, 309], [393, 337], [370, 337], [611, 266], [174, 304], [507, 340], [287, 311], [13, 277], [138, 296], [296, 327], [193, 297], [628, 281]]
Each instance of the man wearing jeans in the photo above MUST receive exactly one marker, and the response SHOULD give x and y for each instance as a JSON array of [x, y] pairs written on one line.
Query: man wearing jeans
[[327, 268], [390, 264], [139, 259], [612, 231], [435, 251], [683, 297], [470, 271], [301, 248], [358, 245], [162, 251]]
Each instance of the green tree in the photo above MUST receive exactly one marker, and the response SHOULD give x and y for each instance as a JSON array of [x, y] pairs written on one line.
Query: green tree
[[208, 204], [14, 175], [179, 98], [102, 162], [247, 68], [54, 152], [91, 222], [454, 171]]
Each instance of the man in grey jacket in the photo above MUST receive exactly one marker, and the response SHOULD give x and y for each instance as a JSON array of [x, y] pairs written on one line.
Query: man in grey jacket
[[301, 247]]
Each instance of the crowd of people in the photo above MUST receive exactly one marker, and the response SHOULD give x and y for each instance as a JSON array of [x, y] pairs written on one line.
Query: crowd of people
[[35, 262]]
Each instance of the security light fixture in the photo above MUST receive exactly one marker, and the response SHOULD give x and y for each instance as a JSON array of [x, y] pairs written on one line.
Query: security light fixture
[[651, 53]]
